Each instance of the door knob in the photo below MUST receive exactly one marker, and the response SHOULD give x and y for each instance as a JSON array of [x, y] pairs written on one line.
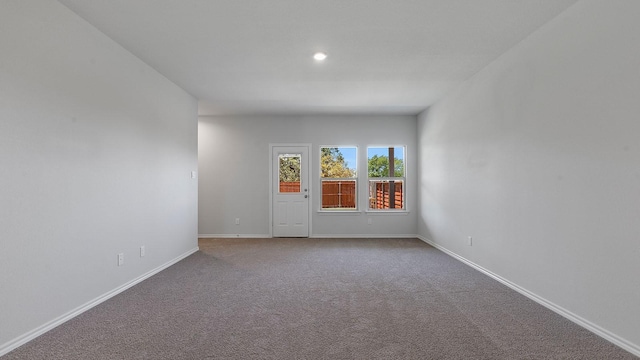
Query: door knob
[[306, 196]]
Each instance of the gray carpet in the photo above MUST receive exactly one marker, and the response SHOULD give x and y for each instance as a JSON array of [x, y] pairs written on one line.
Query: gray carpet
[[319, 299]]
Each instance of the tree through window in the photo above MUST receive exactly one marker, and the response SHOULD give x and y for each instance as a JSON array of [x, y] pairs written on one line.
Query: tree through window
[[338, 177]]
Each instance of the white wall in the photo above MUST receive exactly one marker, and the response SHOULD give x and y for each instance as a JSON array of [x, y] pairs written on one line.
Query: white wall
[[538, 158], [234, 171], [96, 150]]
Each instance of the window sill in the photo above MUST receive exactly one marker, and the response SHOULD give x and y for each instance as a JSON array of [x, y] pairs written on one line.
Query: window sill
[[336, 212], [387, 212]]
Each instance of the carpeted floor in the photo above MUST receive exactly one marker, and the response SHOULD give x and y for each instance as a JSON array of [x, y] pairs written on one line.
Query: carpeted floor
[[319, 299]]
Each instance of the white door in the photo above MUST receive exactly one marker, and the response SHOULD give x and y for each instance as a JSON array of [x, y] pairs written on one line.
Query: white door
[[291, 193]]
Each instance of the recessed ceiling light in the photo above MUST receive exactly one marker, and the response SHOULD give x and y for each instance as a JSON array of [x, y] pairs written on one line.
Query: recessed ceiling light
[[319, 56]]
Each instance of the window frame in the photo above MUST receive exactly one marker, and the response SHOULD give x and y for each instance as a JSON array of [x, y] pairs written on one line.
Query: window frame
[[353, 179], [402, 179]]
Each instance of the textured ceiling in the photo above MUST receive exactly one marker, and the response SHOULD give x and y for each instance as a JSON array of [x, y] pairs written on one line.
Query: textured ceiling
[[255, 56]]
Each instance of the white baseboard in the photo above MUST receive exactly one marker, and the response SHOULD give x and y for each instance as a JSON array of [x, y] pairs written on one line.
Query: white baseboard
[[613, 338], [364, 236], [232, 236], [240, 236], [23, 339]]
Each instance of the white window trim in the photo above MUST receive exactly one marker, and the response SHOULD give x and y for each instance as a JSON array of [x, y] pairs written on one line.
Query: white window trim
[[400, 211], [356, 178]]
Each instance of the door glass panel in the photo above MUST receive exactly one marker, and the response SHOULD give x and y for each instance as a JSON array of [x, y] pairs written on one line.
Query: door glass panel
[[289, 171]]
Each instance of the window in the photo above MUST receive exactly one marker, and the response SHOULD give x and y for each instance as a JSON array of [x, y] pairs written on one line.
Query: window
[[338, 177], [289, 173], [385, 166]]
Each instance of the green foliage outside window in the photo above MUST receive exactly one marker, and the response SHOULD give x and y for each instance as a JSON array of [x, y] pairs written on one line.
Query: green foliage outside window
[[289, 168], [378, 166], [333, 164]]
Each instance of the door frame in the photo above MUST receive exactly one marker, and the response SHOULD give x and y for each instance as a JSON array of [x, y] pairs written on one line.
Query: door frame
[[310, 187]]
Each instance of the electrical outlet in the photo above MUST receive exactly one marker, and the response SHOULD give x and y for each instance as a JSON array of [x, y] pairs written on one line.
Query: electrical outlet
[[142, 251], [470, 241], [120, 259], [237, 221], [193, 174]]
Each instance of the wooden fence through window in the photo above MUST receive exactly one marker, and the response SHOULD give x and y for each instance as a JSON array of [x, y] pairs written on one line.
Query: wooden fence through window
[[289, 186], [380, 193], [340, 194]]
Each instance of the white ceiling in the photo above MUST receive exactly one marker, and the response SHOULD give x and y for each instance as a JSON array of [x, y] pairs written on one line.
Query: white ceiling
[[255, 56]]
